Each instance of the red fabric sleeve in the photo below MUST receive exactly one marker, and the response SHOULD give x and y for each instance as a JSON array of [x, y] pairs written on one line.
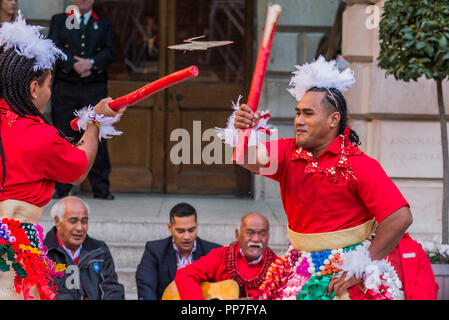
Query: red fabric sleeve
[[277, 161], [188, 279], [64, 162], [377, 191]]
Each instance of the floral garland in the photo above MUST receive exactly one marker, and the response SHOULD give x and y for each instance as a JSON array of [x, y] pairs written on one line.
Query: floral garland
[[301, 275], [231, 267], [343, 165], [23, 245]]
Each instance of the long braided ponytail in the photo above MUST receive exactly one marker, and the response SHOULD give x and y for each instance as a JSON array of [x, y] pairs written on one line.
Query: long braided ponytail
[[16, 75]]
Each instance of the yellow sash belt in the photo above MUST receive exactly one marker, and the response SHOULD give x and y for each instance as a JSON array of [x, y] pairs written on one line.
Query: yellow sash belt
[[19, 210], [313, 242]]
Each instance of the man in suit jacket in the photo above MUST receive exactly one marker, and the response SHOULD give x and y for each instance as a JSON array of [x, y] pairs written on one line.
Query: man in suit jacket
[[81, 80], [162, 258]]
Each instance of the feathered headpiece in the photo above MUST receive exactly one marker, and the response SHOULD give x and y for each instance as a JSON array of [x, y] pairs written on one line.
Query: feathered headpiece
[[29, 42], [321, 74]]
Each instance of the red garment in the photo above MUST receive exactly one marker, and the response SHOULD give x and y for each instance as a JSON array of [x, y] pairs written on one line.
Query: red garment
[[411, 261], [35, 157], [213, 268], [313, 204]]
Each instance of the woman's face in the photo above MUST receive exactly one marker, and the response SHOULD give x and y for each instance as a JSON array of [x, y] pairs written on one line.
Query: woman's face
[[42, 94], [9, 7]]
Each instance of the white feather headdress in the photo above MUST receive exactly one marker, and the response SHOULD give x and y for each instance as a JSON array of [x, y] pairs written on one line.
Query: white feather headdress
[[321, 74], [29, 42]]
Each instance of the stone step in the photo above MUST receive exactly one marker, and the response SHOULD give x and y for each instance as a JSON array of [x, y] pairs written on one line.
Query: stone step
[[131, 220], [126, 240], [141, 232], [127, 277], [126, 259], [128, 255]]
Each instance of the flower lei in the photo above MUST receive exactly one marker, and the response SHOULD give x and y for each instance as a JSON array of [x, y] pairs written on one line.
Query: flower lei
[[231, 267], [23, 245], [343, 165]]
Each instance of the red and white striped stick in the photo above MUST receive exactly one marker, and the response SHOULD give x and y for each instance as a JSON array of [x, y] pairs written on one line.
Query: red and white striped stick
[[148, 90], [271, 20]]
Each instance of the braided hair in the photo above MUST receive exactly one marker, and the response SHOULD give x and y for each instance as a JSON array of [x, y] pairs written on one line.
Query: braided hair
[[338, 101], [16, 75]]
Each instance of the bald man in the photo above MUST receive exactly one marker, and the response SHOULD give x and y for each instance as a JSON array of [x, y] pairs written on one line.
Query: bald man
[[246, 261], [90, 273]]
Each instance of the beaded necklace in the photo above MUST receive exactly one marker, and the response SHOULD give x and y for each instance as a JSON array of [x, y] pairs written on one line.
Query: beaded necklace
[[343, 165], [231, 267]]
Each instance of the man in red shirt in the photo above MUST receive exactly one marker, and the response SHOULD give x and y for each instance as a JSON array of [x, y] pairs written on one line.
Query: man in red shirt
[[246, 261], [414, 270], [329, 188]]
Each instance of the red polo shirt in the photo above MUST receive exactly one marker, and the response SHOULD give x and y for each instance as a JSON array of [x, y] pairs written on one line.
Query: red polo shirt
[[35, 157], [212, 268], [314, 205]]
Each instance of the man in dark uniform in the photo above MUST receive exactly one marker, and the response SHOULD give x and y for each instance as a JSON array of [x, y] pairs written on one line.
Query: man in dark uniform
[[81, 80]]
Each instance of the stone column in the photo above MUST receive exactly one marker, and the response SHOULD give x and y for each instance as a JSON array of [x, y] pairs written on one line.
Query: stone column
[[41, 10], [397, 120]]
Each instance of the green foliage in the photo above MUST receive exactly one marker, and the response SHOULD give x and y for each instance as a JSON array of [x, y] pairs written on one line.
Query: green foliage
[[414, 38]]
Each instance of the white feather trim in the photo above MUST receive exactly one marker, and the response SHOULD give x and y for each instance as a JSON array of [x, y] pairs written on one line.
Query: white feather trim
[[87, 114], [321, 74], [230, 134], [29, 42], [358, 263]]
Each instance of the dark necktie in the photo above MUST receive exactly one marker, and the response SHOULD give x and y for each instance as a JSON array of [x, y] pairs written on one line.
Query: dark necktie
[[82, 24]]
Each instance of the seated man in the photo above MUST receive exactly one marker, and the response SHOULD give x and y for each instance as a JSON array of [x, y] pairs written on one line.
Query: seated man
[[246, 261], [94, 277], [162, 258], [414, 270]]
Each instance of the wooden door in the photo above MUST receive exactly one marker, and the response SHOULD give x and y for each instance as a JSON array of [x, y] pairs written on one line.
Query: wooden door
[[199, 105], [143, 29], [137, 156]]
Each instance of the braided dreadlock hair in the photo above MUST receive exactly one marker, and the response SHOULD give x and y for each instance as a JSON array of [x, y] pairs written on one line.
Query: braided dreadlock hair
[[338, 101], [25, 56], [16, 75]]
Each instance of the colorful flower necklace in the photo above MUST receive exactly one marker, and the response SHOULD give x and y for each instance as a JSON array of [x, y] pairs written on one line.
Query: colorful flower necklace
[[343, 165]]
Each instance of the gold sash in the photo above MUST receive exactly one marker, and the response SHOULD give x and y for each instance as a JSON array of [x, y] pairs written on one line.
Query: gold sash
[[314, 242], [19, 210]]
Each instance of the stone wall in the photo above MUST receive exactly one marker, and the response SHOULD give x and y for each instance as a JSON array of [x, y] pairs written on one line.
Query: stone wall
[[398, 120], [42, 10]]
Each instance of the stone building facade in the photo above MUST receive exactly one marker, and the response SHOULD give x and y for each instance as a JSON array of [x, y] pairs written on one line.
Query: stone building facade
[[397, 121]]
